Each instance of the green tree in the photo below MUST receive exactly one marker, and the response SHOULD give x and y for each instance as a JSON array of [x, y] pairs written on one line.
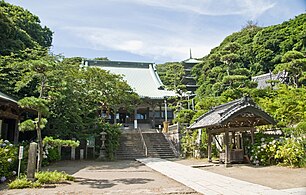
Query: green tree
[[294, 63], [41, 71]]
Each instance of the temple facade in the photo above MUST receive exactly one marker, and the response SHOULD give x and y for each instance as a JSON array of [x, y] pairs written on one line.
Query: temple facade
[[144, 80]]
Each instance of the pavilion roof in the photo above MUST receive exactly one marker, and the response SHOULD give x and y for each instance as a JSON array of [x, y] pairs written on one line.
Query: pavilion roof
[[239, 113], [142, 77], [6, 97]]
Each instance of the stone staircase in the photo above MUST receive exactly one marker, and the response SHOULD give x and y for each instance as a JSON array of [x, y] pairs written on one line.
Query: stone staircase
[[130, 147], [157, 145]]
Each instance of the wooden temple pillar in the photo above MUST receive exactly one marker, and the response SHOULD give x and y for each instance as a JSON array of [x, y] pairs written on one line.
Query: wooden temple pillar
[[227, 149], [209, 146], [16, 133], [153, 116]]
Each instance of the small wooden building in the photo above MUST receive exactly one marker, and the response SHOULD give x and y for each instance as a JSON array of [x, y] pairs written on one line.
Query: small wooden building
[[10, 115], [233, 117]]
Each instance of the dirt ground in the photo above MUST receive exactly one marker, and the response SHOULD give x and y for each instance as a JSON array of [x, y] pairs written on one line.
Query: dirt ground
[[118, 177], [272, 176]]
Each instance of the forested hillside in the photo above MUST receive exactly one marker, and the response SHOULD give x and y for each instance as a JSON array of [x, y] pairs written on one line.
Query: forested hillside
[[252, 51]]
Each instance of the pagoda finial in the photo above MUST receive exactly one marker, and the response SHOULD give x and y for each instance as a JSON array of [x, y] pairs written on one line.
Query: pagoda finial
[[190, 55]]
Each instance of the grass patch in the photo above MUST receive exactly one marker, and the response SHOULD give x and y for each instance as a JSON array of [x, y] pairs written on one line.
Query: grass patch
[[23, 183], [44, 177], [51, 177]]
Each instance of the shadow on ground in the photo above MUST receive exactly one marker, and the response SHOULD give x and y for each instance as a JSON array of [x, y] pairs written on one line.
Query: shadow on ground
[[104, 183], [72, 167]]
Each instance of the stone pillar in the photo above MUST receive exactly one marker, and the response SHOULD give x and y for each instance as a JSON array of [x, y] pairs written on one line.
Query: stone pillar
[[135, 119], [32, 161], [16, 133], [81, 154], [59, 149], [226, 142], [72, 153], [166, 111], [209, 146]]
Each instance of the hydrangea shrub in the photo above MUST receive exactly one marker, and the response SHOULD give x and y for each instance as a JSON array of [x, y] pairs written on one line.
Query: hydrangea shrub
[[8, 160]]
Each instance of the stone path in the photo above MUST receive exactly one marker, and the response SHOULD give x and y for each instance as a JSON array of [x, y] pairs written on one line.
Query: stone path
[[211, 183]]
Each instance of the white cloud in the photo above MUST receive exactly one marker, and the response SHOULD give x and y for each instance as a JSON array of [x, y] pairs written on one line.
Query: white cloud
[[250, 8], [156, 46]]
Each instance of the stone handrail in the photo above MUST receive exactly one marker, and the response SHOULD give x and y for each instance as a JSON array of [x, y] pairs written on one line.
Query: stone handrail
[[173, 127], [143, 142]]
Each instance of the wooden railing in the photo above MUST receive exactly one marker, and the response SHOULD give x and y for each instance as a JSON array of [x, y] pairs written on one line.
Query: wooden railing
[[144, 145]]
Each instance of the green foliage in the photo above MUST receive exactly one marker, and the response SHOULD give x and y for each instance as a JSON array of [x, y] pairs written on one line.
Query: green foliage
[[34, 103], [51, 177], [8, 160], [112, 139], [184, 116], [59, 142], [44, 177], [264, 150], [190, 143], [171, 73], [253, 51], [23, 183], [30, 125], [292, 152], [287, 105], [288, 151], [27, 125], [21, 29]]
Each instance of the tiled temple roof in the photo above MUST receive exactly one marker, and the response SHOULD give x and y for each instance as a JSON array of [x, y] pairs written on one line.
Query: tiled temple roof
[[142, 77]]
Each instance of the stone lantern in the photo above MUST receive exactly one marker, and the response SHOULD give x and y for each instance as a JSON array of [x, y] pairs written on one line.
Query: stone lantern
[[102, 148]]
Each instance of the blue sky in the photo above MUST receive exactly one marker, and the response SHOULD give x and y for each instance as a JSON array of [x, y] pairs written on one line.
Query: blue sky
[[151, 30]]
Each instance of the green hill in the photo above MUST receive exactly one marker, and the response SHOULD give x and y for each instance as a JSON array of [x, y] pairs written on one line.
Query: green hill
[[20, 29], [252, 51]]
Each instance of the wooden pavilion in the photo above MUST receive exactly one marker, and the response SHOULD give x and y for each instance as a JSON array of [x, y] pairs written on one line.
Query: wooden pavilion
[[236, 116]]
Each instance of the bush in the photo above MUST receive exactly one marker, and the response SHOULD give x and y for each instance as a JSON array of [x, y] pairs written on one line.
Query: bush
[[45, 177], [284, 151], [292, 152], [49, 177], [112, 139], [264, 149], [23, 183], [8, 160]]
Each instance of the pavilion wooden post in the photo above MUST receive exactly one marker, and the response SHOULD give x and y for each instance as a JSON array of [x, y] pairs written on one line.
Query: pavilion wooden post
[[209, 146], [226, 142], [234, 139]]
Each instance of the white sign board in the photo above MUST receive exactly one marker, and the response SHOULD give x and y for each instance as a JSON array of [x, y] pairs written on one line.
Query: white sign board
[[20, 152]]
